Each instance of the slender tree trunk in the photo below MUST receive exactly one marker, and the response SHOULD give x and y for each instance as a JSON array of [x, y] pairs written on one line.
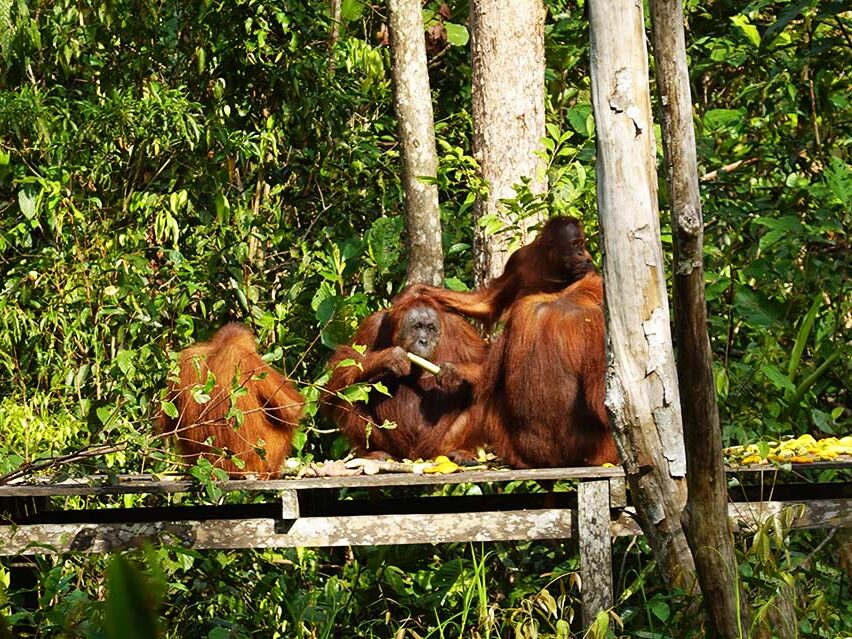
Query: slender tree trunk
[[642, 389], [706, 516], [413, 103], [507, 94], [335, 9]]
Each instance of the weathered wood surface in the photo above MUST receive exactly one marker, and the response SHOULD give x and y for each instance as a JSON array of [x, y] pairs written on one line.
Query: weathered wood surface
[[275, 531], [823, 513], [554, 523], [594, 529], [641, 380], [748, 516], [135, 484], [138, 484]]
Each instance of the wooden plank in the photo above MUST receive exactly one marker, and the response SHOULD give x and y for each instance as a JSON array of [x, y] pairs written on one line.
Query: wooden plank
[[136, 484], [259, 532], [818, 513], [146, 484], [842, 461], [310, 504], [747, 516], [593, 526], [307, 531]]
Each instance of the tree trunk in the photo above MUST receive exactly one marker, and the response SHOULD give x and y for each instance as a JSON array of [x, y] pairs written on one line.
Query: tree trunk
[[413, 103], [642, 390], [507, 95], [335, 11], [706, 516]]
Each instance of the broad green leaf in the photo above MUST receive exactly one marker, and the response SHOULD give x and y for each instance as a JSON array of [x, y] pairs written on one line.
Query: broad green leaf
[[105, 414], [578, 118], [802, 336], [838, 178], [125, 361], [457, 34], [27, 200], [355, 393], [778, 379], [351, 9], [768, 239], [749, 30], [785, 223], [300, 438], [600, 626], [753, 307], [131, 603], [170, 409], [660, 609], [199, 396], [721, 118]]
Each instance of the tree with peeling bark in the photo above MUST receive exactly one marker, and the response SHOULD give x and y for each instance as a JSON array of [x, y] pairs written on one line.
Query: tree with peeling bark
[[642, 388], [705, 519], [507, 94], [413, 104]]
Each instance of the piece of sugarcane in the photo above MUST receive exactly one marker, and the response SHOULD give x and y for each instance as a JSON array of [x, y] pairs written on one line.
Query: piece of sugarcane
[[425, 364]]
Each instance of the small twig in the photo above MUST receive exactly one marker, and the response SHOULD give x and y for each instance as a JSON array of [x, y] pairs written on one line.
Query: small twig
[[820, 546], [437, 57], [845, 33], [86, 453], [733, 166]]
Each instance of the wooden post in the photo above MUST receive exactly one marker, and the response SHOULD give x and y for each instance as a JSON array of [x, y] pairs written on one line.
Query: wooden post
[[705, 518], [642, 390], [593, 531], [290, 504]]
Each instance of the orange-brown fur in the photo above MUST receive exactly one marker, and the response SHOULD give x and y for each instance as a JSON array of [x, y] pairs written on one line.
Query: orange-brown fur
[[556, 258], [541, 399], [269, 402], [422, 405]]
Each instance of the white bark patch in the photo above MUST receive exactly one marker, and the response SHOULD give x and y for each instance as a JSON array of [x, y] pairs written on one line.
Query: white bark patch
[[621, 99], [657, 336], [648, 237], [687, 264], [671, 438]]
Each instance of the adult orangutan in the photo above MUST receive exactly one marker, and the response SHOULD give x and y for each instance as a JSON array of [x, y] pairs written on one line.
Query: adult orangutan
[[249, 410], [540, 400], [556, 258], [420, 405]]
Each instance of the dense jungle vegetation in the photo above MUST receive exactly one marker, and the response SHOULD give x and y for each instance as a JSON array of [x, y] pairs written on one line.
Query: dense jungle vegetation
[[169, 166]]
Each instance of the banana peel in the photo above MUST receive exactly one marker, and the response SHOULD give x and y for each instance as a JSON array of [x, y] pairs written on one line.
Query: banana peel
[[443, 466]]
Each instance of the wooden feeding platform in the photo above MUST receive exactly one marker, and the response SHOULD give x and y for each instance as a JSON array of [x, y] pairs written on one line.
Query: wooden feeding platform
[[396, 508]]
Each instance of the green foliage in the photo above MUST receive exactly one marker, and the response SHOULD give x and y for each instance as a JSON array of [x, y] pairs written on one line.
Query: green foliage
[[165, 168], [777, 244], [131, 602]]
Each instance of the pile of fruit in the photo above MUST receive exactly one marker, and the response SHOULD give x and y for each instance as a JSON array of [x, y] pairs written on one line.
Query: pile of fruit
[[799, 450]]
